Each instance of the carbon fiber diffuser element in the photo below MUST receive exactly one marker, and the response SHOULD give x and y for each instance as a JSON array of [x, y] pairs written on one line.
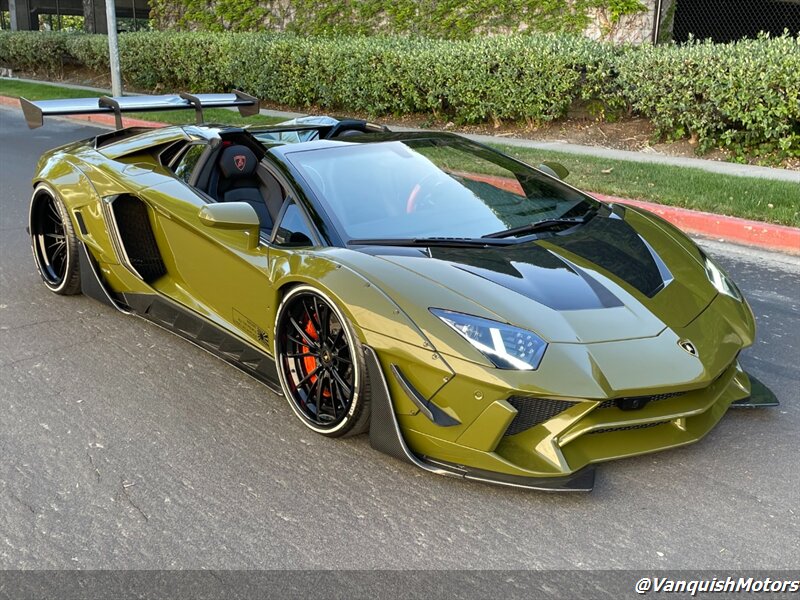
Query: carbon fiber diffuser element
[[629, 427], [533, 411]]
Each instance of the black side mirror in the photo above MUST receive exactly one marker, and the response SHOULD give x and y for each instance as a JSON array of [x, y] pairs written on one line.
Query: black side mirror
[[295, 239], [298, 238]]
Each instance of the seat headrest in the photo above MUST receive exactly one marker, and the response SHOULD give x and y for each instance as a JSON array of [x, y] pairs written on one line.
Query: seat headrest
[[237, 161]]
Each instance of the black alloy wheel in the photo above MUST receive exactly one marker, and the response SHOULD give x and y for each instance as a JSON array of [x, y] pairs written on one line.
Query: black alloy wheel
[[320, 364], [55, 247]]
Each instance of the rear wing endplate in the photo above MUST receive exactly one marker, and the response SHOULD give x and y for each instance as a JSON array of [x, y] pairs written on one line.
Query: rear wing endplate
[[35, 112]]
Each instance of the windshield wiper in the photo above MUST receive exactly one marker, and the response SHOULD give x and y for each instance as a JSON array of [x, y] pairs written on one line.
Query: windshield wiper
[[447, 242], [543, 225]]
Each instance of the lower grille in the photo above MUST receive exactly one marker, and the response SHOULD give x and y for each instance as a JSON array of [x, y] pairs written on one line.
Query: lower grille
[[533, 411], [629, 427], [637, 402]]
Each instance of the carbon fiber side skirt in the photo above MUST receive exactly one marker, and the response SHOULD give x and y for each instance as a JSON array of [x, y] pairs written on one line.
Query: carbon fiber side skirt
[[207, 335], [185, 323], [92, 283]]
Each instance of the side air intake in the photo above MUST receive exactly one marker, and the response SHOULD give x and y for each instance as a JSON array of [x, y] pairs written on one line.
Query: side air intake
[[136, 240]]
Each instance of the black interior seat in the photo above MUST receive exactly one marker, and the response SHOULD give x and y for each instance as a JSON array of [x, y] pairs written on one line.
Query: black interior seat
[[239, 182]]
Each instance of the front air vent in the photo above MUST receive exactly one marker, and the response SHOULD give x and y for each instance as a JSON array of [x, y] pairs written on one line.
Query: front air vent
[[533, 411], [637, 402], [136, 240]]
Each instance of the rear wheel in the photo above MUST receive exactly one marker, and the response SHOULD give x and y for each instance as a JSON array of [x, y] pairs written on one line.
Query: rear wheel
[[55, 247], [321, 364]]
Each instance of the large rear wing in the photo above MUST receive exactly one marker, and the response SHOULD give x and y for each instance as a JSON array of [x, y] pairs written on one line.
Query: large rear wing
[[35, 112]]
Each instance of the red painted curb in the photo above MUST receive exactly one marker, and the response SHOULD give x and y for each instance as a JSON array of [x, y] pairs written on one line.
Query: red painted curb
[[730, 229], [97, 119]]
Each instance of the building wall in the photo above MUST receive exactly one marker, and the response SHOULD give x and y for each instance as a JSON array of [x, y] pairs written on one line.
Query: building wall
[[636, 29]]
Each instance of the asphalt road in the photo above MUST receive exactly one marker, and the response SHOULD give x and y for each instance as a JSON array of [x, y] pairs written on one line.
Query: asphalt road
[[123, 446]]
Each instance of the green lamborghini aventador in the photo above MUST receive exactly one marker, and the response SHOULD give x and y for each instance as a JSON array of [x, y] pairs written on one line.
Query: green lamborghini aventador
[[478, 316]]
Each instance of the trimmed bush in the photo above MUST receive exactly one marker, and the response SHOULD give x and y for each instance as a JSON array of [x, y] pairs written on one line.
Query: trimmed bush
[[90, 51], [741, 96], [31, 51]]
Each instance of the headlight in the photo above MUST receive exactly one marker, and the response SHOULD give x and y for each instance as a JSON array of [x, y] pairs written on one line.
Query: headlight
[[721, 281], [508, 347]]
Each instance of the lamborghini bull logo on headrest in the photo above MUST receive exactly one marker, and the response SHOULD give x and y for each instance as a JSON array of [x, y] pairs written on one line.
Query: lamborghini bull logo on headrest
[[240, 160]]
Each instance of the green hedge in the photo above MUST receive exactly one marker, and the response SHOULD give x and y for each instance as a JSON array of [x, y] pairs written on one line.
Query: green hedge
[[742, 96], [29, 51]]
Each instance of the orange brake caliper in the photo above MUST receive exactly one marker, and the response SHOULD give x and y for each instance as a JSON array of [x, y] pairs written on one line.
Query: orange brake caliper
[[309, 362]]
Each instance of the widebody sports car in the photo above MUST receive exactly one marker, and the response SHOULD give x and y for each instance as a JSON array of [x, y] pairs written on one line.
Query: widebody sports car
[[478, 316]]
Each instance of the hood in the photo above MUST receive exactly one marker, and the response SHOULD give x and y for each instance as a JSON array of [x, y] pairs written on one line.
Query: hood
[[616, 277]]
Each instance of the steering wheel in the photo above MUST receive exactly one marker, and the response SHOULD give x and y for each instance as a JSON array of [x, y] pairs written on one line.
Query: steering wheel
[[414, 201]]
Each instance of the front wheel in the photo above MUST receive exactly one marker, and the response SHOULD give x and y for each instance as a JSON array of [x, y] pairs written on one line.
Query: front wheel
[[321, 364], [55, 247]]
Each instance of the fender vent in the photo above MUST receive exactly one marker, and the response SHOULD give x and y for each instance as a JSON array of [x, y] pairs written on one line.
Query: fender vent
[[136, 238], [81, 223], [533, 411]]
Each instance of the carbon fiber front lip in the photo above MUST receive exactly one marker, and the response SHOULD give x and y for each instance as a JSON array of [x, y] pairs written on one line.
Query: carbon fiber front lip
[[580, 481]]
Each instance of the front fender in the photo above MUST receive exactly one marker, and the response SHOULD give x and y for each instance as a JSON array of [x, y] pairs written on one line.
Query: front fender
[[378, 321], [82, 200]]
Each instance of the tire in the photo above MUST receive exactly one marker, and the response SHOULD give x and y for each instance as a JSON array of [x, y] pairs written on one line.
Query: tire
[[53, 241], [325, 383]]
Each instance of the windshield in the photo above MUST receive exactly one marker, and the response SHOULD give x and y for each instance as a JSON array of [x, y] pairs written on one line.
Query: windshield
[[431, 188]]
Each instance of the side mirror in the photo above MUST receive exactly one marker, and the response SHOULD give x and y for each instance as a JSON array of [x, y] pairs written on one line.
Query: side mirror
[[234, 216], [292, 239], [554, 169]]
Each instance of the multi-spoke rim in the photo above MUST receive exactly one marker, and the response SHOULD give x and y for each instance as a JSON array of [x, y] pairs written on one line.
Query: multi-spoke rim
[[317, 360], [49, 240]]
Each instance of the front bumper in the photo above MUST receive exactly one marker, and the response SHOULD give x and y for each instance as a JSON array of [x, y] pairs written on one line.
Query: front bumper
[[588, 433], [506, 431], [605, 433]]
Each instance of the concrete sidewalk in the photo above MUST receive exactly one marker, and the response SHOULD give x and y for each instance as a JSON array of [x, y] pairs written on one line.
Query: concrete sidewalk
[[712, 166]]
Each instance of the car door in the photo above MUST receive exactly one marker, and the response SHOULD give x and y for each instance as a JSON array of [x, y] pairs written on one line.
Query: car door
[[213, 271]]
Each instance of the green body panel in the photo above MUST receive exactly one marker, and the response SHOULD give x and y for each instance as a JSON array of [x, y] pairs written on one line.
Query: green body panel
[[593, 355], [131, 145]]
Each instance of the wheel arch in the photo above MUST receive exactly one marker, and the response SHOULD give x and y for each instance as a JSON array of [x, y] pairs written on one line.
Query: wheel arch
[[370, 310], [51, 179], [378, 321], [66, 178]]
